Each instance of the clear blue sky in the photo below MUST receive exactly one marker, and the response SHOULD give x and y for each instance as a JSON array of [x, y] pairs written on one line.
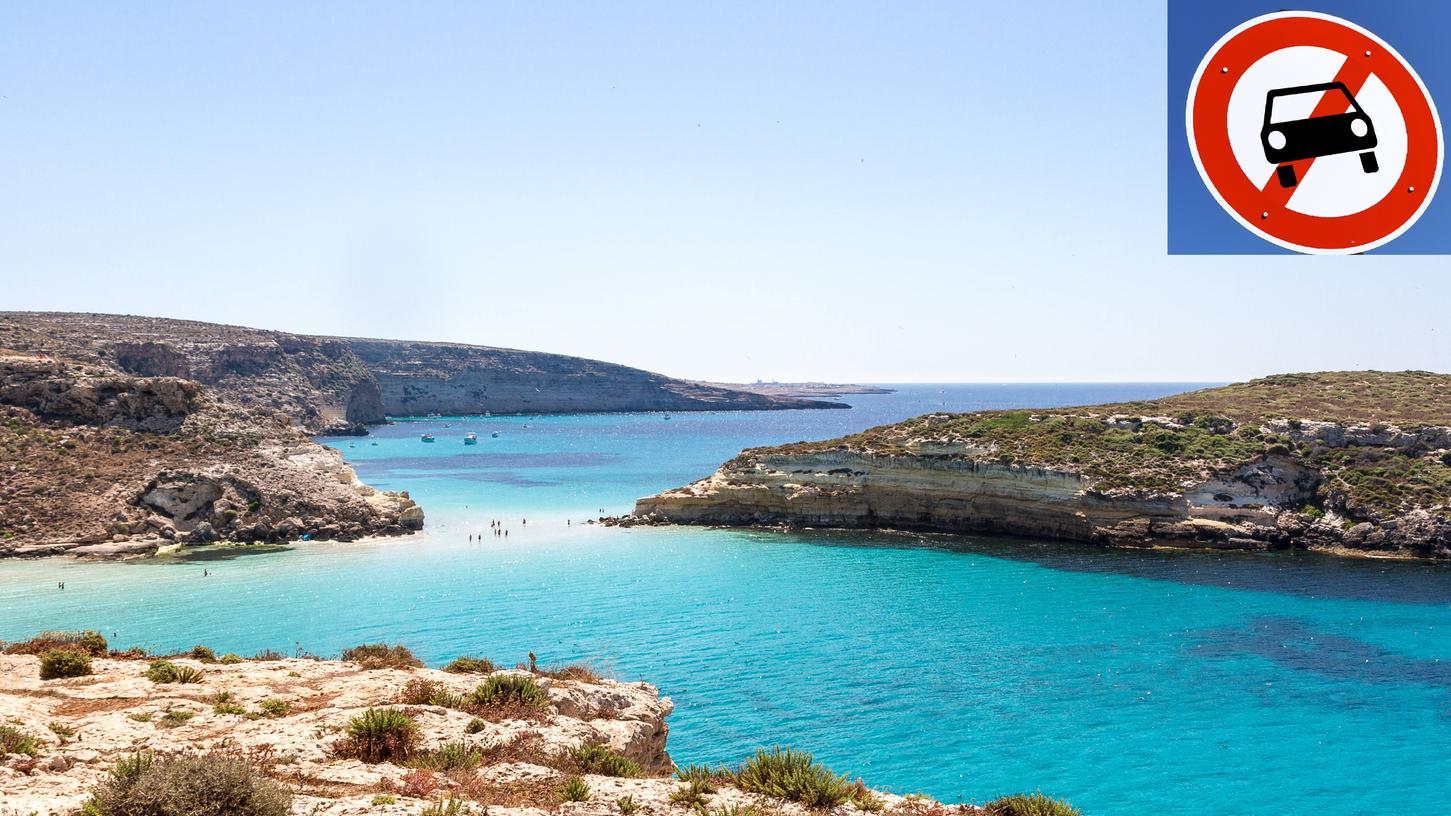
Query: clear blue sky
[[879, 192]]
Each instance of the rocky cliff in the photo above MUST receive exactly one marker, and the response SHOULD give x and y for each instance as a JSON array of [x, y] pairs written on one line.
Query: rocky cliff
[[290, 722], [97, 462], [1346, 461], [327, 382]]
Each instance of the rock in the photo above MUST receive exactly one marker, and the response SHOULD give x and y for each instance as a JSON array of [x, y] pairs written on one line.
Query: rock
[[202, 533], [118, 709]]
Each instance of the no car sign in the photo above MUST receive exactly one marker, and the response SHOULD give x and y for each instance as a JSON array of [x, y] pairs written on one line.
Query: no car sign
[[1314, 133]]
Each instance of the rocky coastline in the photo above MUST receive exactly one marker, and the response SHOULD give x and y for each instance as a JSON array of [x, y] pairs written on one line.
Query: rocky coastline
[[1345, 462], [103, 464], [475, 737]]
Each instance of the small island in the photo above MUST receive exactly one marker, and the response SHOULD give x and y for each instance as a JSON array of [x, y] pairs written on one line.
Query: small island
[[1348, 462]]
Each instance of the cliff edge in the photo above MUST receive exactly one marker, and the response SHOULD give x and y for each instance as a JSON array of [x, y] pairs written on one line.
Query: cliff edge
[[1354, 462], [97, 462]]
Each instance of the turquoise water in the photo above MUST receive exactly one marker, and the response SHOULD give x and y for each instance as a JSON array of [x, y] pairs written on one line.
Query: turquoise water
[[1128, 682]]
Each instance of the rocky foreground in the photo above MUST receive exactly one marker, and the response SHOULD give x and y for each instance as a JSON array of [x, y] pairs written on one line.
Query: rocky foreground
[[295, 721], [1352, 462], [342, 384], [100, 463]]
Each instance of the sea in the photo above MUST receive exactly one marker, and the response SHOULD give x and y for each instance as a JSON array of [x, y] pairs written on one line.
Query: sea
[[960, 666]]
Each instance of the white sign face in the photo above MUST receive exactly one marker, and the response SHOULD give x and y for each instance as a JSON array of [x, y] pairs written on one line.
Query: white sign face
[[1313, 133]]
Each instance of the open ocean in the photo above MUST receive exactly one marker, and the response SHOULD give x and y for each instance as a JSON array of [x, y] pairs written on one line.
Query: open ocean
[[1126, 681]]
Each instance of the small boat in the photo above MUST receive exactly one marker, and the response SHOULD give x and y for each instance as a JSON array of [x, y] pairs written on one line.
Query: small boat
[[426, 438], [495, 434], [471, 439], [667, 417]]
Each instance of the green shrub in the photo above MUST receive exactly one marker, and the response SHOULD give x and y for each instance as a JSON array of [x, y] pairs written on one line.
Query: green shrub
[[64, 663], [574, 790], [451, 756], [470, 665], [175, 716], [275, 707], [693, 795], [204, 654], [62, 732], [1033, 804], [626, 805], [602, 760], [380, 735], [735, 810], [230, 659], [229, 708], [794, 775], [161, 671], [15, 741], [705, 773], [204, 785], [384, 799], [430, 692], [475, 726], [165, 671], [89, 641], [506, 689], [381, 656]]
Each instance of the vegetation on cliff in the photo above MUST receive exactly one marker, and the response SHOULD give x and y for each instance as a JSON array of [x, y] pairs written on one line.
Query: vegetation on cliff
[[1391, 457], [271, 735]]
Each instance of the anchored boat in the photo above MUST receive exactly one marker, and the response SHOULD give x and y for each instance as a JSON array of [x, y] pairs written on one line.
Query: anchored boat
[[426, 438], [471, 439]]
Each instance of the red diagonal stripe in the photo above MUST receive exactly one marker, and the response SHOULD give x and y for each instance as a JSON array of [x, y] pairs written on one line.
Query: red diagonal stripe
[[1353, 73]]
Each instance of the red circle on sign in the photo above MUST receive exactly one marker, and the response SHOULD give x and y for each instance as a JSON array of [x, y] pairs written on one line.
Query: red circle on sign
[[1263, 210]]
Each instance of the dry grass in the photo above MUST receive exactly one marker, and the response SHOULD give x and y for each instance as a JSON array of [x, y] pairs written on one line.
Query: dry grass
[[382, 656]]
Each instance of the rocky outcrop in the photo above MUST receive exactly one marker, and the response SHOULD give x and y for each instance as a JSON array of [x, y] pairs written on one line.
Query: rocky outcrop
[[1103, 475], [286, 717], [99, 463], [109, 714], [326, 383]]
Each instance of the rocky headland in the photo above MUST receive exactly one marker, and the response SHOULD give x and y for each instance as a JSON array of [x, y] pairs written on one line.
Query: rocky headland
[[1350, 462], [100, 463], [342, 384], [127, 435], [374, 733]]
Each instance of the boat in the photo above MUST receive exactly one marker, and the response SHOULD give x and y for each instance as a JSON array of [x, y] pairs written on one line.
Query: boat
[[495, 434], [427, 438], [471, 439], [667, 417]]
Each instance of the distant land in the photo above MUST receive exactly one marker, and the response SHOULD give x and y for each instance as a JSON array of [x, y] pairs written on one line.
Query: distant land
[[340, 383], [804, 390], [1355, 462]]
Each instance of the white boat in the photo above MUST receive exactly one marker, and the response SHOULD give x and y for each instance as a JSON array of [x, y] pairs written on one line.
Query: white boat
[[471, 439], [426, 437]]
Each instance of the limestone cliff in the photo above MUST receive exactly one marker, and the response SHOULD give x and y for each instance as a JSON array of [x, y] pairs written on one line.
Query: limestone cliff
[[331, 383], [97, 462], [1352, 461], [289, 719]]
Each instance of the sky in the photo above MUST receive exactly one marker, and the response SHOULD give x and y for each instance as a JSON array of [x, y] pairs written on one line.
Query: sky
[[872, 192]]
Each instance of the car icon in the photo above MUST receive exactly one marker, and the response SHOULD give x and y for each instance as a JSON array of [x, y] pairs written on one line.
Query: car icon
[[1291, 140]]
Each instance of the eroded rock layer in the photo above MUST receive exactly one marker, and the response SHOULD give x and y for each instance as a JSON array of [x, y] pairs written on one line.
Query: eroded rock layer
[[97, 462], [1350, 461]]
